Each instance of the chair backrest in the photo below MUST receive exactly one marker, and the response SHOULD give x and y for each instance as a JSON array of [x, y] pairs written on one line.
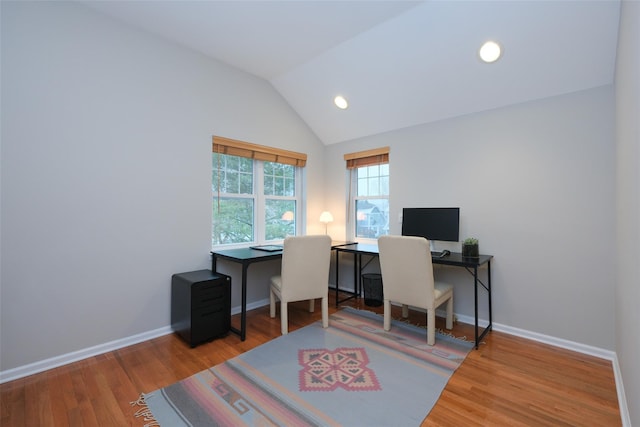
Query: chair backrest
[[407, 272], [305, 267]]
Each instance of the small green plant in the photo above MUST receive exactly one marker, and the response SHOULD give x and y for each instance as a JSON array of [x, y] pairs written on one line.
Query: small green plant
[[470, 247]]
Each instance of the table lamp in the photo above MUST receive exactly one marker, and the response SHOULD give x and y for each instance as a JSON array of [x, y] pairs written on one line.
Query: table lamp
[[326, 218], [288, 216]]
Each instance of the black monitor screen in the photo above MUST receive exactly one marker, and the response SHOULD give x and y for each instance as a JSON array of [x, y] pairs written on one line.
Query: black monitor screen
[[433, 223]]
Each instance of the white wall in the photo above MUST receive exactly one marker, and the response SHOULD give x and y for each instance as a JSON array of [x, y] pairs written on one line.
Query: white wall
[[106, 135], [536, 184], [627, 315], [106, 173]]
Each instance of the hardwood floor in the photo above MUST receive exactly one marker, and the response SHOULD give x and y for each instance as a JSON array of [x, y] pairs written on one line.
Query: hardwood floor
[[508, 381]]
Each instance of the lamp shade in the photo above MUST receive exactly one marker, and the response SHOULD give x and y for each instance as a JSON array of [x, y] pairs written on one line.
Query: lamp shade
[[287, 216], [326, 217]]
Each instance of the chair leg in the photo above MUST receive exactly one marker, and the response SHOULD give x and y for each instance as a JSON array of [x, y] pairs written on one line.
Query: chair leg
[[450, 313], [405, 311], [284, 321], [325, 311], [272, 304], [312, 305], [431, 326], [387, 314]]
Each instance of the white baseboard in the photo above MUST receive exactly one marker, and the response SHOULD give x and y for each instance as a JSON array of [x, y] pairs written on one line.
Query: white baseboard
[[556, 342], [463, 319], [573, 346], [251, 306], [622, 397], [54, 362], [65, 359]]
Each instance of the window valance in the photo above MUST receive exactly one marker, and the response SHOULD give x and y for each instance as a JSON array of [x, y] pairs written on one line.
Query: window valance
[[376, 156], [234, 147]]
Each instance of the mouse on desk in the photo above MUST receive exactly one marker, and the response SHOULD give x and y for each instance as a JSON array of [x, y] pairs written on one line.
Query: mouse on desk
[[444, 253]]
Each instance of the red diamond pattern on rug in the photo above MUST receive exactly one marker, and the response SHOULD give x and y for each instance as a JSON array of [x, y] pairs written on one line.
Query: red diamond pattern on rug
[[327, 370]]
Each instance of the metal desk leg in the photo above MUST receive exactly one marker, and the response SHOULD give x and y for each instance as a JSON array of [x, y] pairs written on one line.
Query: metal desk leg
[[337, 276], [357, 262], [243, 315], [243, 309], [475, 297], [489, 293], [357, 288], [487, 287]]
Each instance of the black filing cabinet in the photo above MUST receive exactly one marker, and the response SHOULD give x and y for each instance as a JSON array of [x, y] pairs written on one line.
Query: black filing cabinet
[[200, 305]]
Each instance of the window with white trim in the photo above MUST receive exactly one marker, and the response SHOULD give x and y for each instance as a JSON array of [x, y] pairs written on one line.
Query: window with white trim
[[254, 201], [368, 193]]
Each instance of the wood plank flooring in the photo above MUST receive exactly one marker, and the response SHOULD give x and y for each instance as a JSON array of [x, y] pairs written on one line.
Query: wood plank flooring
[[509, 381]]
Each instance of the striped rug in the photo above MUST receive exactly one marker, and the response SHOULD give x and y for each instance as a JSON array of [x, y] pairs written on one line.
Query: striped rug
[[350, 374]]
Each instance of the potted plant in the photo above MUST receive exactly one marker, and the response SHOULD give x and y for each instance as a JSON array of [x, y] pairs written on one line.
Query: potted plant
[[470, 248]]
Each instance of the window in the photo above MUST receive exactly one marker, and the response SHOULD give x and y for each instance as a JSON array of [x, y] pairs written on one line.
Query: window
[[280, 200], [369, 193], [233, 201], [254, 200]]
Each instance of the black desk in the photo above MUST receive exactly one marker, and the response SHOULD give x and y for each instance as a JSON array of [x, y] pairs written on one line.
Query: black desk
[[454, 259], [357, 249], [246, 257]]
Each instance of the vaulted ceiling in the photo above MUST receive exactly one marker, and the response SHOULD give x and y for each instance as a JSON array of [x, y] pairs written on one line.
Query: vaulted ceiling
[[399, 63]]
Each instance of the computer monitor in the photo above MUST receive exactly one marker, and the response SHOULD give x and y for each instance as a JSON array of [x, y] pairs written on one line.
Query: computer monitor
[[432, 223]]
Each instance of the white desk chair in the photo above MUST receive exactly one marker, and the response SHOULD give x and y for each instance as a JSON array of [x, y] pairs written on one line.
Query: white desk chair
[[407, 278], [304, 276]]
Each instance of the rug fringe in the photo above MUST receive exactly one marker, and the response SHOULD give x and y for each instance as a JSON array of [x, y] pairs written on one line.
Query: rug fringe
[[144, 411], [438, 330]]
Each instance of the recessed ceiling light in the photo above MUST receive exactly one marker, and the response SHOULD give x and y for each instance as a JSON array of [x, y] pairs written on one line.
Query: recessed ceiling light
[[490, 51], [341, 102]]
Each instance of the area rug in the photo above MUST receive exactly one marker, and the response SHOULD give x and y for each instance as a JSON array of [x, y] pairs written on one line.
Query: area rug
[[350, 374]]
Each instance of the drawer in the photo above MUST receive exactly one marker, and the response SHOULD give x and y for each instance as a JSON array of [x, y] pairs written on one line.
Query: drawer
[[207, 294], [211, 315], [210, 323]]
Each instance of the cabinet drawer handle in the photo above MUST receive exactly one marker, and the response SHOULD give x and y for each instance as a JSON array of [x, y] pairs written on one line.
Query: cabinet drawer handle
[[211, 313], [211, 299]]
